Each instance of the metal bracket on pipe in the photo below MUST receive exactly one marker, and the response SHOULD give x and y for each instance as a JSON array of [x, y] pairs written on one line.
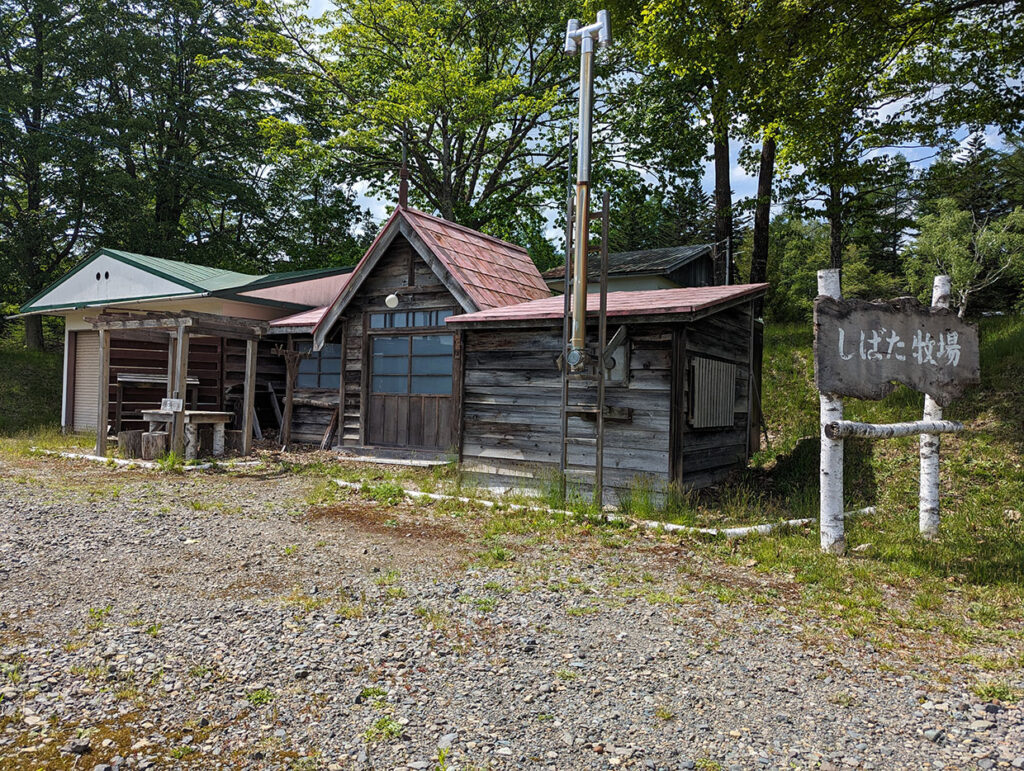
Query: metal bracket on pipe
[[844, 428]]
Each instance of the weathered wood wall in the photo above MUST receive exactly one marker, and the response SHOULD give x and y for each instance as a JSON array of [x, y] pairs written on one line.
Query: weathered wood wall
[[708, 455], [149, 357], [512, 398], [401, 271]]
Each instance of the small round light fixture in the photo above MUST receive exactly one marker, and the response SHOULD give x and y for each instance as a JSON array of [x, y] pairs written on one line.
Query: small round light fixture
[[391, 301]]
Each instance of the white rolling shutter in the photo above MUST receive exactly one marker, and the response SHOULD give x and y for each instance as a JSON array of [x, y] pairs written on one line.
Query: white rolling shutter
[[87, 374]]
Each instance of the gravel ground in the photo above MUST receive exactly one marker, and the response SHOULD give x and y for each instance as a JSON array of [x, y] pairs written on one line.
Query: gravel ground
[[221, 621]]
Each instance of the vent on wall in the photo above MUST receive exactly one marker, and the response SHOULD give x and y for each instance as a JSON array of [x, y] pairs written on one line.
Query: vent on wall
[[712, 393]]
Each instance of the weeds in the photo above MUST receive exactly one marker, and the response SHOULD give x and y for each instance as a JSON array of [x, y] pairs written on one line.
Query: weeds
[[260, 697], [384, 728]]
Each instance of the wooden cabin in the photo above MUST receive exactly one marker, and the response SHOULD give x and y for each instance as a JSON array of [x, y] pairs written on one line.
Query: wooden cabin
[[678, 402], [400, 364]]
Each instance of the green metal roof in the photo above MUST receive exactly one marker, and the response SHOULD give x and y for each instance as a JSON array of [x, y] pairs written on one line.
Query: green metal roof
[[198, 277]]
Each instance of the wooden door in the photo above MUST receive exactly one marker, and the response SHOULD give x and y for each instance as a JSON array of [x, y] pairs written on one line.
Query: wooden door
[[410, 402]]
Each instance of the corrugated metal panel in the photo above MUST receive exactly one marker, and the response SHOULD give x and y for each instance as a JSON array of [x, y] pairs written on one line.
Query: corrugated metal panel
[[712, 393], [87, 374]]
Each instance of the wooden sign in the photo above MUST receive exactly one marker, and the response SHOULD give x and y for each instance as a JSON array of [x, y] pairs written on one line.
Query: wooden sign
[[171, 405], [863, 349]]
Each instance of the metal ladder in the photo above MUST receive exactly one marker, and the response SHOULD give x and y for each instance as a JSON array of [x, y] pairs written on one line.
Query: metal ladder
[[580, 402]]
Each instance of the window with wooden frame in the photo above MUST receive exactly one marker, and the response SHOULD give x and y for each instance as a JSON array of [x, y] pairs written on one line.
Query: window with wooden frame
[[319, 369], [410, 363]]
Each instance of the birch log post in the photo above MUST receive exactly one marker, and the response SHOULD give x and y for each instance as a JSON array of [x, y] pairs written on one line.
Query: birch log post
[[928, 514], [832, 527]]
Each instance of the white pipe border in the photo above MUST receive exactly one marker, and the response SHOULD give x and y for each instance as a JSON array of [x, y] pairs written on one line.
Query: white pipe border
[[670, 527]]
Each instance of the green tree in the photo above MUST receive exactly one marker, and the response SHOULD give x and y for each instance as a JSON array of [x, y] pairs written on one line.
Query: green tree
[[477, 91], [48, 161], [976, 255], [186, 163]]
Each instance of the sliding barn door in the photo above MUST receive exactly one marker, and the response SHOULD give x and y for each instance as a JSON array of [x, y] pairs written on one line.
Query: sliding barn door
[[410, 391]]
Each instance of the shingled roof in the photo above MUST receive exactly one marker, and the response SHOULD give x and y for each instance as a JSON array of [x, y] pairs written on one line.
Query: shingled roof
[[645, 262], [652, 302], [481, 271]]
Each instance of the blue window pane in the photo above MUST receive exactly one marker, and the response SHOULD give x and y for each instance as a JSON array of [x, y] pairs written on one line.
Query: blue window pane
[[303, 346], [330, 351], [432, 384], [331, 381], [390, 384], [308, 366], [391, 346], [378, 320], [432, 344], [431, 365], [390, 365], [306, 380]]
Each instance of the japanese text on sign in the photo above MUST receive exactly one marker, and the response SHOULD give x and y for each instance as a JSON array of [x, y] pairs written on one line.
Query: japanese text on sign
[[864, 349], [878, 344]]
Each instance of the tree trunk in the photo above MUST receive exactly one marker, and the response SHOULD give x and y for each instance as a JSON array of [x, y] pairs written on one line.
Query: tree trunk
[[835, 228], [34, 333], [723, 188], [762, 217]]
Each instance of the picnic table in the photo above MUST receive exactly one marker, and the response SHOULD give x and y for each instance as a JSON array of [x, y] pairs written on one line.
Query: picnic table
[[193, 419]]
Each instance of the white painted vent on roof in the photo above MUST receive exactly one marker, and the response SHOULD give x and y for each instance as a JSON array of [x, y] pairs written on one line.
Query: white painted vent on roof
[[712, 393]]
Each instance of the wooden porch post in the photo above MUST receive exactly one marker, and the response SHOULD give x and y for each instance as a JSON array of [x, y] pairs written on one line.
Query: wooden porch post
[[172, 341], [249, 395], [290, 362], [103, 401], [180, 381]]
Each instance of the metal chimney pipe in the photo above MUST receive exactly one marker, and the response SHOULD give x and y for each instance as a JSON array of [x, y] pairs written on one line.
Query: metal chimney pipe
[[586, 37]]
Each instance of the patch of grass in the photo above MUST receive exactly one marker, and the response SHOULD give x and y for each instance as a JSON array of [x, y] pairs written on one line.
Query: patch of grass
[[31, 384], [291, 550], [566, 674], [966, 586], [664, 713], [434, 619], [171, 463], [154, 629], [992, 690], [385, 728], [485, 604], [182, 752], [260, 697], [304, 602], [387, 492], [494, 557], [97, 618]]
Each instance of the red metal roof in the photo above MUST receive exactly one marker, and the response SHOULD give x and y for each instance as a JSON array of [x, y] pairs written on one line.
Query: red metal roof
[[493, 272], [646, 303], [308, 318]]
